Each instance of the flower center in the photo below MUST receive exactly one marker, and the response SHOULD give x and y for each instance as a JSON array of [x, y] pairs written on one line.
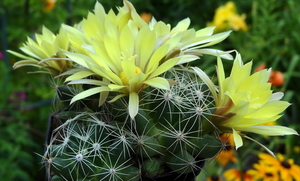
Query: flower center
[[124, 78], [269, 174], [214, 178], [228, 147], [286, 164]]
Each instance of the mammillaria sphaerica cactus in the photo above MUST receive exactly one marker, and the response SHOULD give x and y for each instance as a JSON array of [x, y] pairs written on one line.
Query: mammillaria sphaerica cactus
[[130, 106]]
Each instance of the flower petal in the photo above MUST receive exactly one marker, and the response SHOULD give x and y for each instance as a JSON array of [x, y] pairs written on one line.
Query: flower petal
[[89, 81], [88, 93], [214, 39], [79, 75], [158, 82], [276, 96], [159, 53], [133, 106], [207, 81], [272, 130], [165, 67], [237, 139], [79, 58], [208, 31]]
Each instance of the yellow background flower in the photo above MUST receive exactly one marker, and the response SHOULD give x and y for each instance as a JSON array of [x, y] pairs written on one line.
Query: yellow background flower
[[228, 152], [226, 18], [287, 169], [237, 175], [264, 172]]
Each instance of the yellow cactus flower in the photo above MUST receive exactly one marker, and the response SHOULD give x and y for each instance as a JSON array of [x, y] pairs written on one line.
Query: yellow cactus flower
[[46, 46], [245, 102], [127, 55]]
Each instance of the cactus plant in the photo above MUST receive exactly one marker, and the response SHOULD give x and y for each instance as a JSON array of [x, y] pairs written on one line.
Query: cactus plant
[[107, 144], [129, 107]]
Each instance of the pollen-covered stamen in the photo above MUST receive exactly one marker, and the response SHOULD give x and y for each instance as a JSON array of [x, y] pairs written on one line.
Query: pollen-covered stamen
[[127, 56], [124, 78], [252, 100]]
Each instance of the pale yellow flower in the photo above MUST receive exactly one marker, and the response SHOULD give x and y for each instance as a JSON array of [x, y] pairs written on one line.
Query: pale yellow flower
[[45, 46], [126, 54], [245, 102]]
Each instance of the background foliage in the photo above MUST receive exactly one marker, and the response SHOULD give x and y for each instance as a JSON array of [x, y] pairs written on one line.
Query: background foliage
[[273, 38]]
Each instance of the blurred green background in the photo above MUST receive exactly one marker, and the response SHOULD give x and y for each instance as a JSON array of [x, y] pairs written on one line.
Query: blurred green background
[[25, 100]]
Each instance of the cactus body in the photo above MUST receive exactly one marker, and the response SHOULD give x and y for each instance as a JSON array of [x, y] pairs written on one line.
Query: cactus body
[[109, 145]]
